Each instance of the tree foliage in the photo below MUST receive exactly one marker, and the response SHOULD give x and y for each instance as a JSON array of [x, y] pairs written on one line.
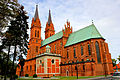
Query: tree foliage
[[118, 58], [18, 29], [3, 61], [114, 62], [7, 12], [15, 35]]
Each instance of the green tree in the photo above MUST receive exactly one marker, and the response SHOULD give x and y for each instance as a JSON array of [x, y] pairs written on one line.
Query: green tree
[[18, 29], [114, 62], [7, 12], [3, 61], [118, 58], [6, 45]]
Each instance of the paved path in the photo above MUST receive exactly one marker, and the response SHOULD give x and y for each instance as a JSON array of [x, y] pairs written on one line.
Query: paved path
[[100, 78]]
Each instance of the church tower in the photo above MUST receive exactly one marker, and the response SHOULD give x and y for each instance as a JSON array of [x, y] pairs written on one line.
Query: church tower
[[35, 36], [49, 30]]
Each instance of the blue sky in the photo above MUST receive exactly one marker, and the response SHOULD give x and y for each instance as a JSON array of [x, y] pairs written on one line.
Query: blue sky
[[80, 13]]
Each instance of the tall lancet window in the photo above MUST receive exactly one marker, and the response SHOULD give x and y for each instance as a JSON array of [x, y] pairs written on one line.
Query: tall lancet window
[[89, 49], [98, 52], [35, 33], [81, 50], [38, 34], [74, 53], [67, 54]]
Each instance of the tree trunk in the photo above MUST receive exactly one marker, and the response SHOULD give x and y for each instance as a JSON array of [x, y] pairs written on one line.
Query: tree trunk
[[12, 75], [6, 68]]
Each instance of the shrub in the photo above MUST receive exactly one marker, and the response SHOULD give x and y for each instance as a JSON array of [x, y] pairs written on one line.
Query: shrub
[[8, 75], [35, 76], [26, 75], [16, 76]]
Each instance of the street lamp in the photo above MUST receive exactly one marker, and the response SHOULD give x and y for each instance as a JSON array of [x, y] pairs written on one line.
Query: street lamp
[[22, 62]]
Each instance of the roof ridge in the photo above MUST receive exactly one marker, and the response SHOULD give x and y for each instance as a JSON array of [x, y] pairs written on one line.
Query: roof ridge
[[85, 33], [54, 37], [83, 28]]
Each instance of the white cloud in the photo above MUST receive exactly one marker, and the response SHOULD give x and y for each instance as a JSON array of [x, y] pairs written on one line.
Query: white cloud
[[105, 14]]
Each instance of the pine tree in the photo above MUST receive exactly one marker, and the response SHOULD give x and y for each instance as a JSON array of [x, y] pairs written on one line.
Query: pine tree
[[7, 12], [6, 44], [18, 30]]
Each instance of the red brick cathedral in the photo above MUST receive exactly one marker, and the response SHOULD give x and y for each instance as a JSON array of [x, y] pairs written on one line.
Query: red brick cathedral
[[66, 53]]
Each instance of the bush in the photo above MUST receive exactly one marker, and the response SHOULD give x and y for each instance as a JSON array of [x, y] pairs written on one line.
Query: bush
[[16, 76], [35, 76], [8, 75], [26, 75]]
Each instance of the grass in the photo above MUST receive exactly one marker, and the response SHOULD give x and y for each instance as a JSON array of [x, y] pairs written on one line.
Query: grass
[[63, 78]]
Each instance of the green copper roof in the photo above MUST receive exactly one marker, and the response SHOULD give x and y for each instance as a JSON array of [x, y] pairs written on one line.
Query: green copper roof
[[83, 34], [48, 46], [52, 38]]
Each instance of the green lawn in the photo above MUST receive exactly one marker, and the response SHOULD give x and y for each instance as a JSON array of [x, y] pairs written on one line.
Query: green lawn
[[63, 78]]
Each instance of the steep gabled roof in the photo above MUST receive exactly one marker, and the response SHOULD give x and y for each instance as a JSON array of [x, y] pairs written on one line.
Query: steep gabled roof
[[52, 38], [83, 34]]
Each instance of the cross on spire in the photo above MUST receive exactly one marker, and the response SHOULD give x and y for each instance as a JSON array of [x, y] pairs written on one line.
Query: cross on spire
[[36, 13]]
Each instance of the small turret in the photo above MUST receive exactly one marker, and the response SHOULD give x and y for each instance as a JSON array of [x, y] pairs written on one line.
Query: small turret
[[67, 30]]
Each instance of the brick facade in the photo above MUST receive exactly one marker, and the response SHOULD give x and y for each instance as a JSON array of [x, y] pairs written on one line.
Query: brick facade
[[90, 63]]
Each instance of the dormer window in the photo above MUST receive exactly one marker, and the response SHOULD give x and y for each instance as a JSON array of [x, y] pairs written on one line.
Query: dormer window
[[48, 49]]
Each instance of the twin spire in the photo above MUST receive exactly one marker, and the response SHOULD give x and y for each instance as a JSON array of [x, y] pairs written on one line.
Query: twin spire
[[36, 16], [36, 13], [49, 18]]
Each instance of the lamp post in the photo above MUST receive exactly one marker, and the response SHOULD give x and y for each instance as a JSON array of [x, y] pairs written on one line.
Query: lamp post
[[22, 62], [76, 70]]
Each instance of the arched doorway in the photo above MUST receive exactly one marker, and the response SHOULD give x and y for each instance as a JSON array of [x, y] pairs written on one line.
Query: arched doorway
[[67, 73]]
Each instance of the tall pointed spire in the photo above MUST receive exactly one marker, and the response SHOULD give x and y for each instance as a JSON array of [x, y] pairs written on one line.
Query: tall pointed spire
[[36, 13], [49, 18]]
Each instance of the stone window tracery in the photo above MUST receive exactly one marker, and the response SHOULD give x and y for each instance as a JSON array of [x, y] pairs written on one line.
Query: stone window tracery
[[89, 49], [98, 52]]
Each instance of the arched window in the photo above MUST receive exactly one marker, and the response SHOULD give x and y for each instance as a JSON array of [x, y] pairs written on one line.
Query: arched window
[[74, 53], [81, 50], [30, 67], [55, 46], [35, 33], [27, 67], [98, 52], [38, 34], [67, 54], [61, 43], [83, 67], [36, 48], [89, 49]]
